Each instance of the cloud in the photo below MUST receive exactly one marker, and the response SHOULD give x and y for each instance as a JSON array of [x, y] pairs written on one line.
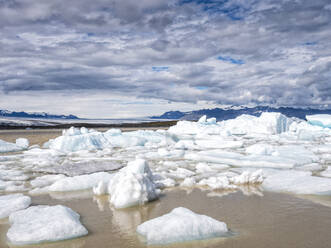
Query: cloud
[[240, 52]]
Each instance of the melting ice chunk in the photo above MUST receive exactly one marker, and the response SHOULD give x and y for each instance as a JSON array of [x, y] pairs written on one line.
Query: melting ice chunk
[[80, 182], [21, 144], [39, 224], [132, 185], [12, 203], [181, 224], [322, 120]]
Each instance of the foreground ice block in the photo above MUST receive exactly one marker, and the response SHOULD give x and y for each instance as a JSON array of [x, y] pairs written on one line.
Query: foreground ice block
[[181, 224], [12, 203], [39, 224], [132, 185]]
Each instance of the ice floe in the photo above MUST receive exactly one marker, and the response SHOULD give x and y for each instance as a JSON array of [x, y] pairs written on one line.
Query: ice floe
[[206, 153], [80, 182], [38, 224], [12, 203], [75, 139], [21, 144], [322, 120], [297, 182], [180, 225]]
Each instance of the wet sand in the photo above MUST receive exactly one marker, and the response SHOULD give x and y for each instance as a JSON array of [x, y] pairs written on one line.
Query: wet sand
[[273, 220]]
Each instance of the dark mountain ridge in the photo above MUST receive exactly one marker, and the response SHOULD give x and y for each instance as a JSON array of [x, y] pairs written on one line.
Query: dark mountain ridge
[[233, 112], [42, 115]]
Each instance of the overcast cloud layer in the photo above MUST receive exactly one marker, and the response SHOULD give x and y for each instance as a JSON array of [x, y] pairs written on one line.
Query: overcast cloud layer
[[126, 58]]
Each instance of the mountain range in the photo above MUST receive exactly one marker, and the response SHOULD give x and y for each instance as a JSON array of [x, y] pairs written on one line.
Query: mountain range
[[234, 111], [42, 115]]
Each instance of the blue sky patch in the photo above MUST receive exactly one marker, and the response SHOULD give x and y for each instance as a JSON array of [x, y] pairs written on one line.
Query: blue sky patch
[[231, 60], [310, 43], [201, 87], [160, 68], [233, 11]]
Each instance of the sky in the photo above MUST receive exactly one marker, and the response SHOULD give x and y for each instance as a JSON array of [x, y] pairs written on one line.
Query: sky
[[129, 58]]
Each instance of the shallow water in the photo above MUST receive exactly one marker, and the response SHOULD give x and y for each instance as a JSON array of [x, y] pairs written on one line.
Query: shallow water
[[272, 220]]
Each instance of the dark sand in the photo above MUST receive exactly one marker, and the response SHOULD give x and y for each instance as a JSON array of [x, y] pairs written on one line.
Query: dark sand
[[272, 221]]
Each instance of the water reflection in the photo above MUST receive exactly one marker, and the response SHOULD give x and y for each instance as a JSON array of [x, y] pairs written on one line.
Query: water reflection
[[74, 243], [101, 201], [83, 194], [247, 190], [128, 219], [251, 190]]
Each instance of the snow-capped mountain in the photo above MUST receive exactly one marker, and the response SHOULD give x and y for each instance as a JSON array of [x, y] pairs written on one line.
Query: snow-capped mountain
[[6, 113]]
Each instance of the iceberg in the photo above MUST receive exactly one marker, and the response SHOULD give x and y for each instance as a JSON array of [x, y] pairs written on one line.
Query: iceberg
[[267, 123], [288, 156], [22, 142], [297, 182], [12, 203], [180, 225], [39, 224], [322, 120], [80, 182], [72, 168], [132, 185], [75, 139], [247, 177], [218, 182], [188, 182], [46, 180], [20, 145]]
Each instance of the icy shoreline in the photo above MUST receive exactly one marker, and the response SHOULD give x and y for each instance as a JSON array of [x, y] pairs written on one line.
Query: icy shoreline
[[189, 154], [267, 153]]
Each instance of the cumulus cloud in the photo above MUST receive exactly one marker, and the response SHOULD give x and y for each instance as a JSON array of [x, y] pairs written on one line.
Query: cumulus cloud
[[220, 52]]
